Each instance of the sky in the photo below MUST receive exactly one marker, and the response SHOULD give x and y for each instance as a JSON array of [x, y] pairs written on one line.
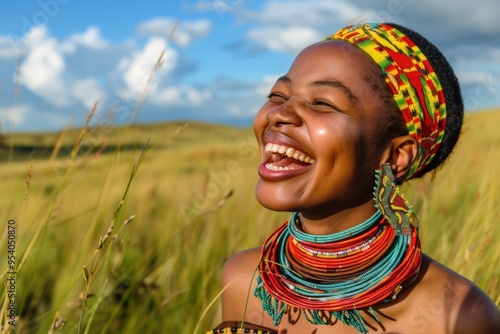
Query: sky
[[59, 57]]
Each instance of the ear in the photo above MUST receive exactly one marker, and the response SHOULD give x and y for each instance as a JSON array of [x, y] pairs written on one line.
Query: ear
[[400, 154]]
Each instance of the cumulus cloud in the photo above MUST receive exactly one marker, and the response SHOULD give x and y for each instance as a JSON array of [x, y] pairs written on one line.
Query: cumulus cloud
[[64, 76], [185, 33], [88, 91], [289, 26], [459, 28], [138, 67], [291, 39], [42, 70], [307, 13], [91, 38], [179, 96], [137, 70], [12, 116]]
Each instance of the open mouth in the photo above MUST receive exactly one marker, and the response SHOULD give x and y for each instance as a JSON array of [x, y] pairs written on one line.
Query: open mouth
[[286, 158]]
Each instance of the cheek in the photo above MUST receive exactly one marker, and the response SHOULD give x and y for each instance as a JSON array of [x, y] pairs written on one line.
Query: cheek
[[335, 138], [374, 144], [260, 122]]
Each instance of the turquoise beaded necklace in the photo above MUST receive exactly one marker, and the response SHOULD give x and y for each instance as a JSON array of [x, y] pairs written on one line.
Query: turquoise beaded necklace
[[285, 281]]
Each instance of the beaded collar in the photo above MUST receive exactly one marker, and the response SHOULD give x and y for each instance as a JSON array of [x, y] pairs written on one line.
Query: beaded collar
[[334, 276]]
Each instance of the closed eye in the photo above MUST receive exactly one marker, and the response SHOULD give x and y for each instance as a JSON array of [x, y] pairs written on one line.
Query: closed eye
[[277, 98], [323, 105]]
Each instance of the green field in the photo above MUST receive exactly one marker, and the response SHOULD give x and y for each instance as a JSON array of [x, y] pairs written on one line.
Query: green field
[[192, 195]]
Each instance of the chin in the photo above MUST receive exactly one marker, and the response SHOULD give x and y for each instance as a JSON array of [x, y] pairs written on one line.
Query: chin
[[272, 201]]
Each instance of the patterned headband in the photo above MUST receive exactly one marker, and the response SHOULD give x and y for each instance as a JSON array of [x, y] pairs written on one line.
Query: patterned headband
[[416, 87]]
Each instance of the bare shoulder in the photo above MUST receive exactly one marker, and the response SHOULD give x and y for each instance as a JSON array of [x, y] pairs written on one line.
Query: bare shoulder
[[446, 299], [241, 263], [238, 281]]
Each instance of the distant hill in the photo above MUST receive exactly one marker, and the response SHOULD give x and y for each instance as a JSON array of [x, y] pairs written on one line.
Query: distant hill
[[480, 127], [173, 135]]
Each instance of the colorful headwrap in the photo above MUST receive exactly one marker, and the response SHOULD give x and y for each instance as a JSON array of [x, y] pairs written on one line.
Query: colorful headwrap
[[414, 83]]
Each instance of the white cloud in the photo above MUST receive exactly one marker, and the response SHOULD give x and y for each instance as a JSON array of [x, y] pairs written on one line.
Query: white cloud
[[36, 35], [88, 91], [179, 96], [91, 39], [291, 39], [289, 26], [307, 13], [13, 115], [478, 78], [63, 77], [185, 33], [137, 68], [461, 16], [43, 68]]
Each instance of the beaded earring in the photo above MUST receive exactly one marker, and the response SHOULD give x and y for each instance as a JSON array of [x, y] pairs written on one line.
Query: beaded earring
[[391, 202]]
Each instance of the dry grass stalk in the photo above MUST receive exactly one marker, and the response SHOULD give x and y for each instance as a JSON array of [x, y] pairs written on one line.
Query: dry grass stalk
[[59, 141], [128, 221], [156, 68], [179, 129], [83, 132], [144, 93], [58, 323], [18, 74], [26, 190]]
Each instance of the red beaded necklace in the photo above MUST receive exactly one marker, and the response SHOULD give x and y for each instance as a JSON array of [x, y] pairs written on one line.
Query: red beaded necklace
[[337, 274]]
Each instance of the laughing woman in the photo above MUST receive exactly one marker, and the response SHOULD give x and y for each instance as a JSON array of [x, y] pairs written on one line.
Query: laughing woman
[[371, 107]]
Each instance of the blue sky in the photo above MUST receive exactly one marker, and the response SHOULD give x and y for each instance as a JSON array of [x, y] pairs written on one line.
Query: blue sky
[[219, 64]]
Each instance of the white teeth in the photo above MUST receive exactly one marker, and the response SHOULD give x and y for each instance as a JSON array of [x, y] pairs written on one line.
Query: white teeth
[[289, 152], [273, 167]]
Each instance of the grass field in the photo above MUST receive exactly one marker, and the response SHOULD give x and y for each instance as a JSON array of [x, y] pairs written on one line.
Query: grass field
[[112, 238]]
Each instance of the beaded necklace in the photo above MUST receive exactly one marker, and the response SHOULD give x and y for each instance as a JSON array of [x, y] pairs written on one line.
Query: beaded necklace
[[334, 276]]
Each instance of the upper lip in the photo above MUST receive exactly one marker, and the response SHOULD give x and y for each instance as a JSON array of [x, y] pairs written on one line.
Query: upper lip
[[277, 138]]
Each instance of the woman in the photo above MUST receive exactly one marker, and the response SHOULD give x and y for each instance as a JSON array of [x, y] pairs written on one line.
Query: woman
[[374, 104]]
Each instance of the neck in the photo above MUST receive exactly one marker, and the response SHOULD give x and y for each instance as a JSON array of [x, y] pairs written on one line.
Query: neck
[[337, 222]]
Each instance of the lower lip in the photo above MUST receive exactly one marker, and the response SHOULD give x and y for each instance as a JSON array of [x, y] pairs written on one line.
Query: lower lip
[[277, 175]]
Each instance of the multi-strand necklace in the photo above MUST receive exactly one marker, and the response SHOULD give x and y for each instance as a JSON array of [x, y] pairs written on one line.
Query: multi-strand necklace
[[334, 276]]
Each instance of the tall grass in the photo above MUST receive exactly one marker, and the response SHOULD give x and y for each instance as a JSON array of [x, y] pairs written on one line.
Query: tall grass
[[193, 202]]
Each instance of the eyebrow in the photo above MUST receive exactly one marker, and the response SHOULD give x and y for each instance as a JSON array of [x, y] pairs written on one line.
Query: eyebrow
[[284, 78], [337, 84], [329, 83]]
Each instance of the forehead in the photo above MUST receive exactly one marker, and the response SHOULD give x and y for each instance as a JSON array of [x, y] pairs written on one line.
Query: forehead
[[334, 57], [340, 62]]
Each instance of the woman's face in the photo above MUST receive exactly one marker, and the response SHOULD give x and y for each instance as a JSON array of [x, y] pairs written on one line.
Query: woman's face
[[321, 133]]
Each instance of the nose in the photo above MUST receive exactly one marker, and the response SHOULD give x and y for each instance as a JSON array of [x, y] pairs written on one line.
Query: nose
[[284, 114]]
